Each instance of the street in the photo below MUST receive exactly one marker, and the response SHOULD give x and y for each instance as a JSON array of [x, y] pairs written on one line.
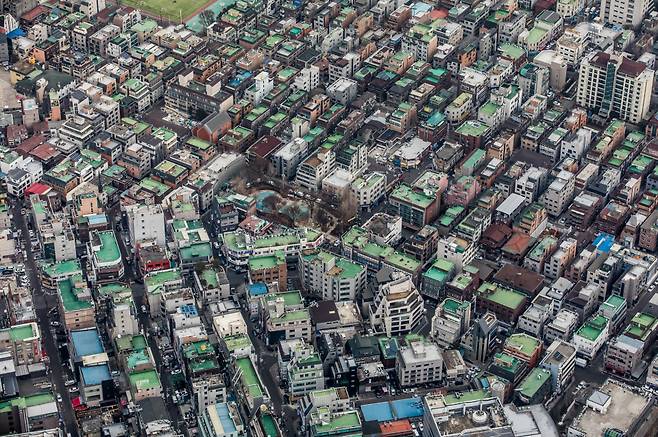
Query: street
[[44, 302], [144, 319]]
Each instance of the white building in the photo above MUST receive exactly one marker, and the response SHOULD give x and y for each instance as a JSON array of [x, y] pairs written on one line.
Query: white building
[[591, 336], [531, 183], [561, 327], [146, 222], [307, 79], [262, 86], [397, 307], [287, 158], [573, 146], [456, 250], [343, 90], [559, 193], [419, 363], [305, 372], [615, 85], [330, 276], [624, 12], [369, 189], [571, 46], [315, 168], [560, 360], [569, 8]]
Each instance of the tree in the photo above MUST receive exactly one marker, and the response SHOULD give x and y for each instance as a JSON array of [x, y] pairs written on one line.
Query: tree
[[294, 211], [271, 203], [207, 18], [239, 185], [348, 205]]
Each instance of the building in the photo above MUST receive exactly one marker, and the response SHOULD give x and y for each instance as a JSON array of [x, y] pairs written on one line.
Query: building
[[397, 307], [534, 388], [451, 320], [221, 420], [270, 269], [23, 342], [478, 341], [613, 407], [330, 276], [559, 193], [369, 189], [625, 13], [106, 259], [419, 363], [145, 222], [560, 360], [591, 336], [615, 85], [285, 317], [524, 347]]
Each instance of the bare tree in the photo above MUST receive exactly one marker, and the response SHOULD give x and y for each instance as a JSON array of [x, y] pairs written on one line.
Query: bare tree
[[348, 205], [294, 211], [271, 203], [207, 18], [239, 185]]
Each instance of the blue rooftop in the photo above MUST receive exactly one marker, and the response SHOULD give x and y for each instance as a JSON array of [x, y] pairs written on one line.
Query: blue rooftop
[[94, 375], [97, 219], [86, 342], [603, 242], [189, 309], [393, 410], [225, 418], [257, 289]]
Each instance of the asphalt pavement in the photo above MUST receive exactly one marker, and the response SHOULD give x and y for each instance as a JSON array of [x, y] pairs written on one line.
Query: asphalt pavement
[[44, 302], [145, 321]]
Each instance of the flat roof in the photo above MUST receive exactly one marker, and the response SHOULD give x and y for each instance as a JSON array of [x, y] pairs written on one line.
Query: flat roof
[[144, 380], [249, 377]]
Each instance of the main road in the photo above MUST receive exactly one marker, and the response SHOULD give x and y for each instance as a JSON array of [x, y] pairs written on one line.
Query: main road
[[43, 302]]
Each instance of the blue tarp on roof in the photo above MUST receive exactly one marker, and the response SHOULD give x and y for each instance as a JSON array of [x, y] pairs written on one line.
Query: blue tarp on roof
[[393, 410], [16, 33], [94, 375], [603, 242], [86, 342]]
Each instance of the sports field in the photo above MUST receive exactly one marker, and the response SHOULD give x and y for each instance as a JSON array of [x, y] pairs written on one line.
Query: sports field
[[173, 10]]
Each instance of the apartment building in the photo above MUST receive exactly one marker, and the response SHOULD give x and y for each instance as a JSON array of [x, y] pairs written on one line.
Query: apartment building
[[450, 321], [591, 336], [397, 307], [624, 12], [560, 360], [331, 277], [419, 362], [559, 193], [615, 85], [270, 269]]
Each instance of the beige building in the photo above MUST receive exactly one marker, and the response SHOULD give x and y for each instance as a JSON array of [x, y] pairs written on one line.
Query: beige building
[[615, 85]]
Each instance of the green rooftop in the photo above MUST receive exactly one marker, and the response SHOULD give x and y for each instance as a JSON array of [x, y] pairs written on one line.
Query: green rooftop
[[63, 268], [466, 396], [472, 128], [70, 296], [533, 382], [339, 424], [22, 332], [145, 380], [503, 296], [249, 377], [592, 328], [108, 251], [522, 342], [406, 193], [263, 262]]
